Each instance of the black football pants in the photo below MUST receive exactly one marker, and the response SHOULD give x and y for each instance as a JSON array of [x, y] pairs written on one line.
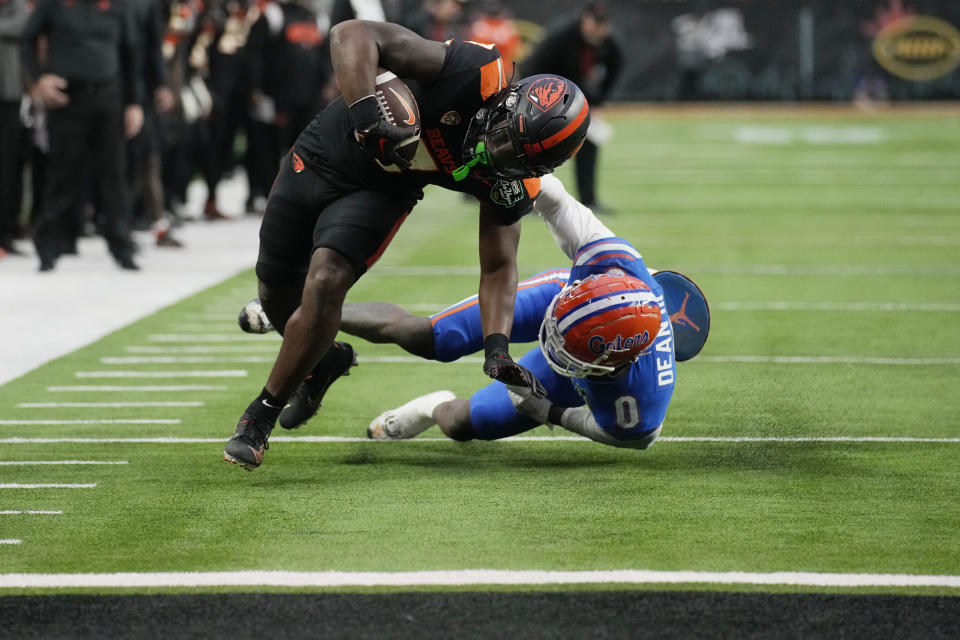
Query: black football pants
[[86, 141]]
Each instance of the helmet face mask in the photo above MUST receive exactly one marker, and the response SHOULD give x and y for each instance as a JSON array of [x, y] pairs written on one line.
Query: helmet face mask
[[525, 130], [599, 326]]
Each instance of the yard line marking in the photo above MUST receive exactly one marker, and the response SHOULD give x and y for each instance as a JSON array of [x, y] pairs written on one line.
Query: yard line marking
[[838, 306], [758, 269], [571, 438], [467, 577], [226, 373], [173, 387], [27, 463], [212, 337], [832, 360], [106, 405], [204, 326], [30, 512], [11, 541], [720, 359], [249, 348], [185, 359], [104, 421], [15, 485]]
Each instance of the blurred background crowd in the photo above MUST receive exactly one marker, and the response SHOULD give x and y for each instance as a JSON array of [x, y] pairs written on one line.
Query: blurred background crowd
[[110, 108]]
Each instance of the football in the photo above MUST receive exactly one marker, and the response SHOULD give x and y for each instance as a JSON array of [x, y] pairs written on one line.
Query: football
[[399, 108]]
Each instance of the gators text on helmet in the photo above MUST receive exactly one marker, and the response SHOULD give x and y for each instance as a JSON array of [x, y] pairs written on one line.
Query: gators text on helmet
[[526, 129], [599, 324]]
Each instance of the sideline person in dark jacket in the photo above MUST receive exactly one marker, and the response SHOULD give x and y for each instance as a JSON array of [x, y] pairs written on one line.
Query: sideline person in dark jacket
[[584, 51], [93, 97]]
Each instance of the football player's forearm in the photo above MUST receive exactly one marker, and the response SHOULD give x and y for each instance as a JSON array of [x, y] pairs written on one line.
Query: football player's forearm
[[580, 420], [498, 273]]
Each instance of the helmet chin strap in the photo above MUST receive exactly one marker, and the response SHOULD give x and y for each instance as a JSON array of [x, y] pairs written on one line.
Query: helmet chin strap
[[480, 156]]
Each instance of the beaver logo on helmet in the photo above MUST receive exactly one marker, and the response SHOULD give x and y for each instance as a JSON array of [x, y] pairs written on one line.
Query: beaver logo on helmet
[[599, 324], [545, 92], [525, 130]]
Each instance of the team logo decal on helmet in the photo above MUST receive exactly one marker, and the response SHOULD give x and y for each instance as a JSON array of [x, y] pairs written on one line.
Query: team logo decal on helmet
[[525, 130], [599, 324], [544, 92]]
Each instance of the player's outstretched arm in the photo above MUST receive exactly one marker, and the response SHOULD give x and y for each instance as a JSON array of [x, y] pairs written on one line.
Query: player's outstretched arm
[[498, 289], [580, 420]]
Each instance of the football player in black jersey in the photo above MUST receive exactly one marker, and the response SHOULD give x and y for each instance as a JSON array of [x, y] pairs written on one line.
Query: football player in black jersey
[[343, 191]]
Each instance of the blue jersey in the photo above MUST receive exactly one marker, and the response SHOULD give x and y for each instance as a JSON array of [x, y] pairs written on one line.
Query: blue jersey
[[635, 404], [629, 407]]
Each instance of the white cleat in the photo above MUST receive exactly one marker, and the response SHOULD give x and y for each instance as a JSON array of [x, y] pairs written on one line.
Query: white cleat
[[253, 319], [408, 420]]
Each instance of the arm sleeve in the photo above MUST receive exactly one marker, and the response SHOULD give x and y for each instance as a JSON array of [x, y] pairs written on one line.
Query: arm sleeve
[[35, 25], [130, 52], [156, 74], [572, 224], [580, 420]]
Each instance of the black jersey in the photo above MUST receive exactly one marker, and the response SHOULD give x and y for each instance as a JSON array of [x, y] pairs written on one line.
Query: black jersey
[[471, 73]]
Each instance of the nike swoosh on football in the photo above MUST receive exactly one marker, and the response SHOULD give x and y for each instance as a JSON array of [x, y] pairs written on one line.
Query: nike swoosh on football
[[410, 118]]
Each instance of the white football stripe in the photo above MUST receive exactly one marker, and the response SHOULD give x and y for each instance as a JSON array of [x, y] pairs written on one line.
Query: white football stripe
[[138, 388], [639, 297], [829, 360], [247, 348], [226, 373], [466, 577], [15, 485], [30, 463], [30, 512], [838, 306], [105, 405], [186, 360], [103, 421], [512, 439]]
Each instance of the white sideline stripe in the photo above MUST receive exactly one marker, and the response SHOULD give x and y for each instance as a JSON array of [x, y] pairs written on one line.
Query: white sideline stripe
[[225, 373], [11, 541], [476, 360], [212, 337], [466, 577], [28, 463], [248, 348], [30, 512], [701, 358], [173, 387], [837, 306], [758, 269], [344, 439], [204, 326], [15, 485], [831, 360], [185, 359], [103, 421], [105, 405]]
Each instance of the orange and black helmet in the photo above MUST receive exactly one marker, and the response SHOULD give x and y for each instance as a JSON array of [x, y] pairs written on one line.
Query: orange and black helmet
[[527, 129]]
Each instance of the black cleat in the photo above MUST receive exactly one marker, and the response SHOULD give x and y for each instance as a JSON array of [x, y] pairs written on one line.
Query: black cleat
[[249, 441], [306, 401]]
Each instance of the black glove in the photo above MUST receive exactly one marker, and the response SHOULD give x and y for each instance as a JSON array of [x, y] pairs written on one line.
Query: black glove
[[378, 137], [501, 367]]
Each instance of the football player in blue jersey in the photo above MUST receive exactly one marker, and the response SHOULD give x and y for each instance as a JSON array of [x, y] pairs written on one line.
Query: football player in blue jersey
[[344, 189], [606, 353]]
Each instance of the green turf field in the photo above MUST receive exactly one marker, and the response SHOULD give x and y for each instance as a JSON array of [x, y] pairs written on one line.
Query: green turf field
[[829, 248]]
